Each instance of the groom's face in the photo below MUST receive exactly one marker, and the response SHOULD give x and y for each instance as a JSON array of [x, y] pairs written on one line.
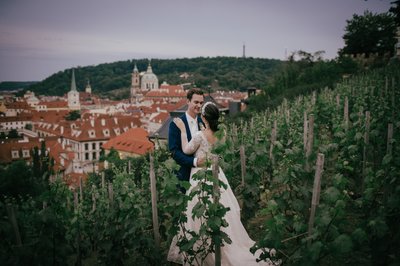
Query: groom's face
[[194, 105]]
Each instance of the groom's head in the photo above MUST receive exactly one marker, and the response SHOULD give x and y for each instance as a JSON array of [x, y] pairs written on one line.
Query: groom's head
[[195, 99]]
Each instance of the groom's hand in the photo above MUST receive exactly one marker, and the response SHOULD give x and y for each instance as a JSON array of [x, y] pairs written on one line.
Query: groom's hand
[[201, 161]]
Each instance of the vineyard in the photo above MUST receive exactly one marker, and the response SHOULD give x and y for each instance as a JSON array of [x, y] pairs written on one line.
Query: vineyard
[[317, 179]]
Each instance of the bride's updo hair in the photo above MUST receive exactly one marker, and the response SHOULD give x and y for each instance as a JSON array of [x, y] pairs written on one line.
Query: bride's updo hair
[[211, 114]]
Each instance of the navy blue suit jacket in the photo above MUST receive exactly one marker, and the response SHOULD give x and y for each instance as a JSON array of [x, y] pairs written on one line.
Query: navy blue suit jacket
[[175, 147]]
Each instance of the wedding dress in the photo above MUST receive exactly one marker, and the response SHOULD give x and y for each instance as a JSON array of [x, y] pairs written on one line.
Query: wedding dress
[[238, 252]]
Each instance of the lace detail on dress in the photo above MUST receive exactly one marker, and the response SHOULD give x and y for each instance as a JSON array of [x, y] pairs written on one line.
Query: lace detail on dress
[[198, 145]]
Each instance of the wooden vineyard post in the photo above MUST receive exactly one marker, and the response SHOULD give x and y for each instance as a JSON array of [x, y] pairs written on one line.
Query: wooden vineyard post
[[365, 150], [78, 236], [316, 193], [103, 180], [215, 170], [93, 202], [13, 221], [235, 134], [314, 98], [287, 116], [110, 194], [310, 141], [273, 139], [388, 152], [154, 203], [337, 101], [386, 85], [389, 139], [393, 99], [305, 129], [243, 163], [76, 200], [80, 189], [346, 113]]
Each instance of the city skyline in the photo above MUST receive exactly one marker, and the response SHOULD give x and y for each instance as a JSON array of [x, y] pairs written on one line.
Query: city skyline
[[39, 38]]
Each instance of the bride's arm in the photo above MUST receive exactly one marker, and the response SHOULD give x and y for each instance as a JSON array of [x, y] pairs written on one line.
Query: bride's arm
[[193, 145]]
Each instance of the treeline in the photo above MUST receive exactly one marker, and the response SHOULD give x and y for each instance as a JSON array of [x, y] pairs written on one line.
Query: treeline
[[15, 85], [301, 76], [226, 73]]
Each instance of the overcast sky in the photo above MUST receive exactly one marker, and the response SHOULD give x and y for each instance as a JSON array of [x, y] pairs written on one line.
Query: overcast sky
[[41, 37]]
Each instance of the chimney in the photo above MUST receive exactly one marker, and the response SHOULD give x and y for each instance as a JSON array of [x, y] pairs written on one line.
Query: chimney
[[103, 122], [62, 130], [116, 120], [92, 122]]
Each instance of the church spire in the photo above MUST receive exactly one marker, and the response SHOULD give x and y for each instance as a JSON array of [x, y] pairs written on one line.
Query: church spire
[[149, 69], [73, 83]]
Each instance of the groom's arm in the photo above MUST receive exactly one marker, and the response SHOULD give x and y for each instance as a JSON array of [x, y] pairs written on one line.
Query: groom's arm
[[175, 146]]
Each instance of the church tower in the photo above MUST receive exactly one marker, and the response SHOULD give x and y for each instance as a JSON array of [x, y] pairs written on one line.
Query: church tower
[[88, 88], [135, 84], [149, 80], [73, 95]]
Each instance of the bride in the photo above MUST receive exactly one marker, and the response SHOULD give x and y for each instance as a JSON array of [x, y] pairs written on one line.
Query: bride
[[238, 252]]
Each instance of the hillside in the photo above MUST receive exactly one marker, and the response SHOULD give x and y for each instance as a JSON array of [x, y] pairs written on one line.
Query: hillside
[[15, 85], [225, 73]]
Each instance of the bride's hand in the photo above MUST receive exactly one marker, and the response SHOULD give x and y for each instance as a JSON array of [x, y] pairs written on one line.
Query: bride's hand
[[179, 123]]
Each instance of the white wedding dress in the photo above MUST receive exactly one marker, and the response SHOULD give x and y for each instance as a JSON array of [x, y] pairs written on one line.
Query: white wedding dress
[[238, 252]]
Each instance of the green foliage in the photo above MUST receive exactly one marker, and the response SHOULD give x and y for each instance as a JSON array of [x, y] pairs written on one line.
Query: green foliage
[[197, 245], [16, 179], [13, 134], [15, 85], [369, 33], [226, 73], [73, 115], [294, 78], [357, 216]]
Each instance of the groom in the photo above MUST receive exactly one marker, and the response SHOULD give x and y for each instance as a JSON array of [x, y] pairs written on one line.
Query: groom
[[192, 121]]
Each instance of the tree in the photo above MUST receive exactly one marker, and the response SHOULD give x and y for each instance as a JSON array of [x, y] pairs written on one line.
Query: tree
[[73, 115], [13, 134], [396, 11], [15, 179], [369, 33]]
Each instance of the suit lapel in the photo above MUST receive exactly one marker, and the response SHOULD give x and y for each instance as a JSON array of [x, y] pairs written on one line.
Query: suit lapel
[[199, 122], [188, 133]]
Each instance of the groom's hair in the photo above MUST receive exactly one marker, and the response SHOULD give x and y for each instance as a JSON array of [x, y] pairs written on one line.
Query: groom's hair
[[192, 91]]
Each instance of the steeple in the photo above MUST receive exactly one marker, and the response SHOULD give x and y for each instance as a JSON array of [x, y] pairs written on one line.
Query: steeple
[[73, 95], [149, 69], [73, 83]]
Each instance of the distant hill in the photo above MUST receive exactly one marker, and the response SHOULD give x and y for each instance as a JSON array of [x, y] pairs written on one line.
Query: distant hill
[[15, 85], [226, 73]]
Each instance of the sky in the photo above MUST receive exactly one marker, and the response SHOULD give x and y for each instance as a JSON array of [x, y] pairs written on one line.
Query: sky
[[41, 37]]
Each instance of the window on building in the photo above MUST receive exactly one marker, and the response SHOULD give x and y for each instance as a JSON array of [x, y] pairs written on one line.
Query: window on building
[[94, 156], [14, 154], [25, 153], [86, 146], [93, 146], [87, 156]]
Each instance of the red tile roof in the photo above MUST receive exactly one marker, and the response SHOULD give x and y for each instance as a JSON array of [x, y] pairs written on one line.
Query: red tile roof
[[167, 91], [54, 104], [133, 141], [49, 116], [102, 127], [160, 118]]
